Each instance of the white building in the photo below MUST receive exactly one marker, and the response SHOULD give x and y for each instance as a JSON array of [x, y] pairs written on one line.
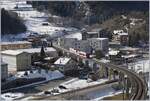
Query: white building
[[99, 44], [85, 45], [141, 67], [4, 70], [67, 42], [82, 45], [16, 60], [65, 64], [35, 53]]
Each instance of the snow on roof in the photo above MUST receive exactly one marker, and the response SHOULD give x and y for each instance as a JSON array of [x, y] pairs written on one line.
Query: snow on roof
[[129, 48], [123, 33], [24, 6], [129, 56], [35, 74], [37, 50], [113, 52], [77, 35], [12, 52], [15, 42], [98, 38], [104, 60], [118, 31], [92, 32], [62, 61]]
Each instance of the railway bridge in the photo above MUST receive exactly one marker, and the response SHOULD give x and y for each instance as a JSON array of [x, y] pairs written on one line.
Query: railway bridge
[[138, 88]]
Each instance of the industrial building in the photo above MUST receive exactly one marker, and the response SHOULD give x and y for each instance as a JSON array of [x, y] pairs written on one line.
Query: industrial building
[[16, 60]]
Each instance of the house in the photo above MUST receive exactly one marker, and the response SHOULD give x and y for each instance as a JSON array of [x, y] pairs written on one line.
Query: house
[[15, 45], [121, 36], [16, 60], [65, 64], [124, 39], [4, 70]]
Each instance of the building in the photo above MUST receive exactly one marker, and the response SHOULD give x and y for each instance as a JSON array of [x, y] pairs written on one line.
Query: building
[[82, 45], [35, 53], [16, 60], [114, 55], [67, 42], [85, 45], [4, 71], [94, 33], [65, 64], [99, 44], [15, 45], [120, 36], [86, 35], [124, 39], [114, 45]]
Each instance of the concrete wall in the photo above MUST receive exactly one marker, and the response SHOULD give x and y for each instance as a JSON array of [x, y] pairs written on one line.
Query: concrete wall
[[23, 61], [10, 60], [4, 71], [17, 62]]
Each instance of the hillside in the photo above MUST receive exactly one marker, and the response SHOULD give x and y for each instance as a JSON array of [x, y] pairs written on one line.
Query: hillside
[[11, 23]]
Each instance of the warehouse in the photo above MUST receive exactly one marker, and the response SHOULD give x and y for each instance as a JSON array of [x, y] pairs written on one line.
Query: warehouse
[[35, 53], [16, 60]]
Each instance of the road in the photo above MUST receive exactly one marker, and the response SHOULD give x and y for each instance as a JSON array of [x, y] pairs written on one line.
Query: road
[[41, 87], [76, 92], [139, 88]]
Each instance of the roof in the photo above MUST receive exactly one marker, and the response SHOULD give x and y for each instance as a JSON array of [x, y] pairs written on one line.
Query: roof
[[16, 42], [123, 33], [129, 48], [24, 6], [12, 52], [98, 38], [37, 50], [62, 61], [117, 31], [113, 52], [129, 56], [92, 32]]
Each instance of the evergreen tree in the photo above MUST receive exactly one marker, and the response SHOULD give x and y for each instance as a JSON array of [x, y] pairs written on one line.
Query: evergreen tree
[[99, 54], [42, 54]]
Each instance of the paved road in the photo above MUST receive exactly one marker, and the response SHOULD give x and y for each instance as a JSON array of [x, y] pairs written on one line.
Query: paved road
[[41, 87]]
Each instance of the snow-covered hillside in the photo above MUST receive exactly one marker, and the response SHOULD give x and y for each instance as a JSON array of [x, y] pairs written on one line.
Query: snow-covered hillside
[[33, 20]]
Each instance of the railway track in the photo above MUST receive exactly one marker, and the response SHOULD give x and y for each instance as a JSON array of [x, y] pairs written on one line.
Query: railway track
[[138, 86]]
